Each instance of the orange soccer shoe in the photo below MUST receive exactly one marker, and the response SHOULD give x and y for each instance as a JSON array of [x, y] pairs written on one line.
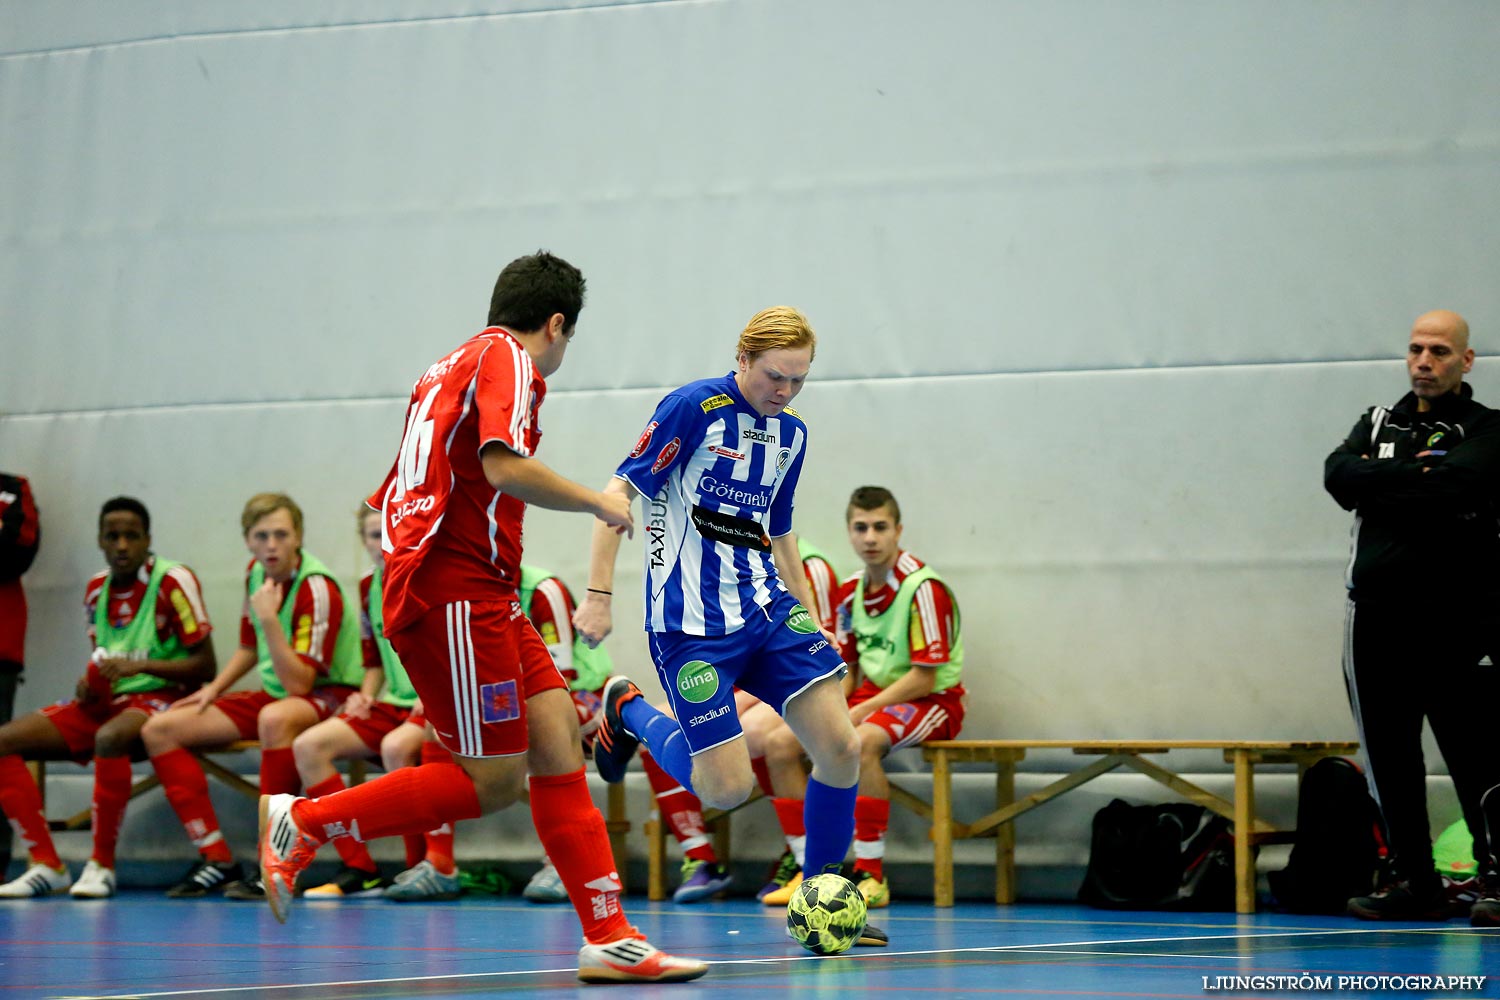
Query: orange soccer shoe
[[634, 960], [284, 852]]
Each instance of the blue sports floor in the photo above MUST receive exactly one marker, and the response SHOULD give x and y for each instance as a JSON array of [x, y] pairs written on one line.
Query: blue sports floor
[[143, 945]]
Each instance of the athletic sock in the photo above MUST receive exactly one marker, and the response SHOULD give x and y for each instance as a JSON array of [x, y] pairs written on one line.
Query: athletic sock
[[186, 789], [762, 775], [436, 845], [22, 802], [278, 772], [681, 810], [872, 817], [407, 800], [571, 830], [352, 852], [111, 794], [416, 848], [828, 814], [439, 852], [790, 814], [662, 737]]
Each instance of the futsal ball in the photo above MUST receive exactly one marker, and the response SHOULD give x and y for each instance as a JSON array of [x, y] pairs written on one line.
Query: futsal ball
[[826, 914]]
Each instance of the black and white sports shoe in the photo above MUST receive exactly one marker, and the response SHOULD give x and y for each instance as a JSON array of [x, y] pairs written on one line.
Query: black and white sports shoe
[[613, 746], [38, 880], [206, 877], [872, 937], [248, 889]]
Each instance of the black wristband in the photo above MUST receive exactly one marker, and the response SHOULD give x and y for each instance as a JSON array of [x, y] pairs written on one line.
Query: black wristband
[[596, 590]]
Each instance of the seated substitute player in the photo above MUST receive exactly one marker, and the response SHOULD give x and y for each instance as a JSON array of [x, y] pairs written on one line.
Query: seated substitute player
[[726, 599], [452, 510], [295, 634], [149, 630], [703, 874], [549, 604], [368, 721], [899, 628]]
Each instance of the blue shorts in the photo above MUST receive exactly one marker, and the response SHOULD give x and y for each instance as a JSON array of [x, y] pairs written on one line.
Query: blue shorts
[[776, 656]]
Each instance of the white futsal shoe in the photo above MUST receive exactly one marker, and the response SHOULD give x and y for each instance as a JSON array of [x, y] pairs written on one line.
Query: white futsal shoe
[[38, 880], [634, 960], [94, 882]]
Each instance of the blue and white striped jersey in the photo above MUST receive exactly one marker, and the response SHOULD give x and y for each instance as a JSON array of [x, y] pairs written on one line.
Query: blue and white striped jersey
[[718, 481]]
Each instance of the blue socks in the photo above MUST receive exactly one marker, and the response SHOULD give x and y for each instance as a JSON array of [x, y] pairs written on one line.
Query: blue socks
[[828, 812], [828, 816], [662, 736]]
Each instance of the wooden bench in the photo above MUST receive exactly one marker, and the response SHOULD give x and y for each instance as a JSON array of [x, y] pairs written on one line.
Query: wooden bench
[[1243, 755], [83, 820], [615, 819], [715, 822]]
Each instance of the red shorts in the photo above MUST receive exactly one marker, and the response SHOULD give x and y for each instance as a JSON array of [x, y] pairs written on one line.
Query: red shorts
[[243, 707], [418, 716], [384, 717], [474, 665], [938, 716], [79, 726]]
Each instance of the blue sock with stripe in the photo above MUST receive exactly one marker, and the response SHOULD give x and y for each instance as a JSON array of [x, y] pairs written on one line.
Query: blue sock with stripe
[[828, 816], [663, 737]]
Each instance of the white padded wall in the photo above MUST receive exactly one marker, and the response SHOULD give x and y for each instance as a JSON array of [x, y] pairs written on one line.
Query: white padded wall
[[1098, 286]]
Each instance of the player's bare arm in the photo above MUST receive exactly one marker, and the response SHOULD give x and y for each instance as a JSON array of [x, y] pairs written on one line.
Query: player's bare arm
[[532, 481], [358, 703], [240, 663], [291, 670], [789, 567], [594, 617], [915, 683]]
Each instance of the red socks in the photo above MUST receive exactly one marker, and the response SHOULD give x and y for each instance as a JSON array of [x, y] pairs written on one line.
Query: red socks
[[762, 776], [352, 852], [22, 802], [111, 794], [187, 790], [681, 810], [408, 800], [278, 772], [574, 837], [871, 819]]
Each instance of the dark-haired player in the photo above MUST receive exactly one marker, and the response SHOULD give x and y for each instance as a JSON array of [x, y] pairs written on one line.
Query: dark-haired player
[[149, 632], [452, 509]]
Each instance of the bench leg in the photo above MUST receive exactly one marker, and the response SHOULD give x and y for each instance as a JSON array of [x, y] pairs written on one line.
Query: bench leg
[[656, 859], [618, 825], [723, 842], [1244, 823], [1005, 834], [942, 831]]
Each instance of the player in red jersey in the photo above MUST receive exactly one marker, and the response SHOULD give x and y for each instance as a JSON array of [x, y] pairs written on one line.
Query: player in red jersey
[[149, 631], [372, 717], [898, 626], [452, 509], [20, 536], [295, 633]]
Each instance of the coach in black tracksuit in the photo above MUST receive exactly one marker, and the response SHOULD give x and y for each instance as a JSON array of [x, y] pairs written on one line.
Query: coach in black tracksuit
[[1423, 480]]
